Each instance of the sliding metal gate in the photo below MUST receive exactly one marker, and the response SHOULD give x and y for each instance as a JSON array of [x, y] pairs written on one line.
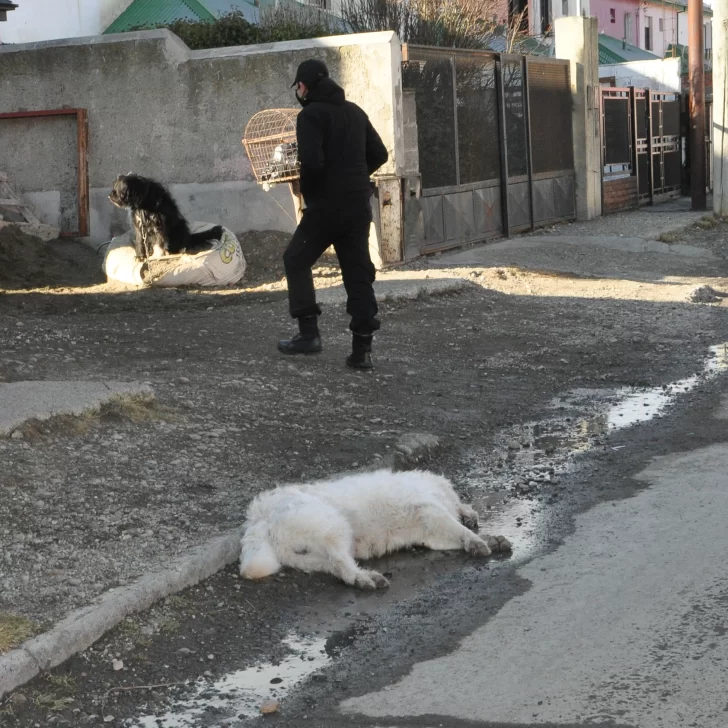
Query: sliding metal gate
[[494, 143]]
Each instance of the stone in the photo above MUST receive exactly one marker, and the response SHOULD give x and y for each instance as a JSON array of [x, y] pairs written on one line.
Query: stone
[[269, 707]]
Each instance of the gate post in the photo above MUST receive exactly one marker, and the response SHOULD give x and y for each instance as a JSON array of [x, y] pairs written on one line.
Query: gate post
[[720, 108], [577, 41]]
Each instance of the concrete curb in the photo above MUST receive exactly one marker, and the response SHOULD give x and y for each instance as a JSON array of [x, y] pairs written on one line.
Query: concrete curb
[[82, 627], [400, 289], [41, 399]]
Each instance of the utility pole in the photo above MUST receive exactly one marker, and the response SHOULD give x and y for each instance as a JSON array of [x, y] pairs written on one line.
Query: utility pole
[[696, 56]]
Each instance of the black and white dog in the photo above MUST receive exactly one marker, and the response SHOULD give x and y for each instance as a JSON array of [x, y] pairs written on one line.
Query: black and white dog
[[160, 228]]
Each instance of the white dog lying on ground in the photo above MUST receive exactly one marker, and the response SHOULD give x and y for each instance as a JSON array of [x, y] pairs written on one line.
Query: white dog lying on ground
[[326, 526]]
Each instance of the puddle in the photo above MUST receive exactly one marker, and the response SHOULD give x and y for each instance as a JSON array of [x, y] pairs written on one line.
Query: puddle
[[240, 694], [513, 486]]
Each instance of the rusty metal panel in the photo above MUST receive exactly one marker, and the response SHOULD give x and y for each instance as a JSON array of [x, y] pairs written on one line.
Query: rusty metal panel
[[519, 206], [616, 131], [515, 116], [543, 200], [430, 74], [564, 197], [459, 216], [487, 211], [477, 118], [671, 118], [549, 91], [433, 222]]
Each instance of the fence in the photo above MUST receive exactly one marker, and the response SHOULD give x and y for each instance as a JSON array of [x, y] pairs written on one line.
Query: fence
[[494, 142], [641, 139]]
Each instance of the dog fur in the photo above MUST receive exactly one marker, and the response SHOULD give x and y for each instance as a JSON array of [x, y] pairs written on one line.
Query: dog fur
[[327, 526], [160, 228]]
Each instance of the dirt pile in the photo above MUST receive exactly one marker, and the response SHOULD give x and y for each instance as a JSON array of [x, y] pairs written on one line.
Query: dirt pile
[[26, 262]]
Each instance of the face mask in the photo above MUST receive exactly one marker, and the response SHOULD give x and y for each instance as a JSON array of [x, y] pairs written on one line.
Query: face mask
[[301, 99]]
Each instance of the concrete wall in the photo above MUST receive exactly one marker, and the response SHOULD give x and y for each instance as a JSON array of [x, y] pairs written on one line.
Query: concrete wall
[[37, 20], [576, 40], [659, 75], [161, 110], [720, 109]]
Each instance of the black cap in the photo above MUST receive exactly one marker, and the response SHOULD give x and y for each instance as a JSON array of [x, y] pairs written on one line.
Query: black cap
[[310, 72]]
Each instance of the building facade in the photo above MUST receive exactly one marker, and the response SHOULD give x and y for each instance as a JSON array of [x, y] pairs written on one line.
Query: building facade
[[656, 26]]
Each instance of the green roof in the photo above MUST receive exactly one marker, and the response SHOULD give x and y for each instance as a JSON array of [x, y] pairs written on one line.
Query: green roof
[[613, 50], [151, 13]]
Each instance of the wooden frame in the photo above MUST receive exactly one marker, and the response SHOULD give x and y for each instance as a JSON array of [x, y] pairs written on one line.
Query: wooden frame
[[82, 141]]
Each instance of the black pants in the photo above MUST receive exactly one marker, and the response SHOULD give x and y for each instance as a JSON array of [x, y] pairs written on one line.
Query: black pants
[[348, 231]]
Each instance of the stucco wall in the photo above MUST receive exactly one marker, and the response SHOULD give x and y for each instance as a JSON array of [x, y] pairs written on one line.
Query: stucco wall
[[159, 109]]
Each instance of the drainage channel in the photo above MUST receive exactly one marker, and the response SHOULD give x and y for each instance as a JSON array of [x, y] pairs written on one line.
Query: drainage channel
[[511, 485]]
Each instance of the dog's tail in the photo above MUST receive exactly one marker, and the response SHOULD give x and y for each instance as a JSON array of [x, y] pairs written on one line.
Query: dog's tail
[[198, 242]]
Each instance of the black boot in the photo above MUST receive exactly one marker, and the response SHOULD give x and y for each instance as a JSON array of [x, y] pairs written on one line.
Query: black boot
[[306, 341], [361, 352]]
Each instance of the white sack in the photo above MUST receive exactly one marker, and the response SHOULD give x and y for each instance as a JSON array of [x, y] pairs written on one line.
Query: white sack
[[223, 265]]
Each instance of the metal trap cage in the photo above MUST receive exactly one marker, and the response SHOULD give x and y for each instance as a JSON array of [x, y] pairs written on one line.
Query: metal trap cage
[[270, 143]]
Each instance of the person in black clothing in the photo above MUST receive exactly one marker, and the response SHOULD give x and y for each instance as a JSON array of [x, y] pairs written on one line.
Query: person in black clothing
[[339, 150]]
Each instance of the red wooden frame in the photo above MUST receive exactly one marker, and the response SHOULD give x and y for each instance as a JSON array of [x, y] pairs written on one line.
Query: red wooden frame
[[82, 137]]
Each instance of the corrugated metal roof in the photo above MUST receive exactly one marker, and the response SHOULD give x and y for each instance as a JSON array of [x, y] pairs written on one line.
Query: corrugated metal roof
[[150, 13], [613, 50]]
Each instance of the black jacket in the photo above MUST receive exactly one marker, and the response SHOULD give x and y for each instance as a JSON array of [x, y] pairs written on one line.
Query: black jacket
[[338, 148]]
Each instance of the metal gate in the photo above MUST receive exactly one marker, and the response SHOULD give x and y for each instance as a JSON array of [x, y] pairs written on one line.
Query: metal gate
[[641, 138], [494, 143]]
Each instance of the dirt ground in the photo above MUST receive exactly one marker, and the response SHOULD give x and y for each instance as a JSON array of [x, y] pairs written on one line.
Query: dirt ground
[[26, 262], [83, 510]]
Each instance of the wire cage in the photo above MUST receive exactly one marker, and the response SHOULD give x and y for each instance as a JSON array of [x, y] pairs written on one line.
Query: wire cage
[[270, 143]]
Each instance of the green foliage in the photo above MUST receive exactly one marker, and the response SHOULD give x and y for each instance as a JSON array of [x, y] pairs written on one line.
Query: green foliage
[[232, 29]]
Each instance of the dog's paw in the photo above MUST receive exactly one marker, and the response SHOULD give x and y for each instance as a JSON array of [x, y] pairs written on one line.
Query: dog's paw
[[499, 544], [470, 522], [370, 580], [477, 547]]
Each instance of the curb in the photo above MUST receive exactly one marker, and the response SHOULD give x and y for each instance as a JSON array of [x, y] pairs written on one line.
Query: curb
[[400, 289], [84, 626]]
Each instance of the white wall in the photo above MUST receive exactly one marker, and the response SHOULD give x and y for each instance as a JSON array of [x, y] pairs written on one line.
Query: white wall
[[36, 20], [661, 39], [683, 29], [659, 75]]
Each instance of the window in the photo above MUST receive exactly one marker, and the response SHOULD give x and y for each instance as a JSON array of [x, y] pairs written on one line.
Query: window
[[545, 15], [661, 25], [628, 32], [648, 33], [564, 7], [518, 9], [612, 15]]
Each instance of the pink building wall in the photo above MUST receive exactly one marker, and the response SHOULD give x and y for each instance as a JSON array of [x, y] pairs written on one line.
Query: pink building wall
[[602, 11]]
